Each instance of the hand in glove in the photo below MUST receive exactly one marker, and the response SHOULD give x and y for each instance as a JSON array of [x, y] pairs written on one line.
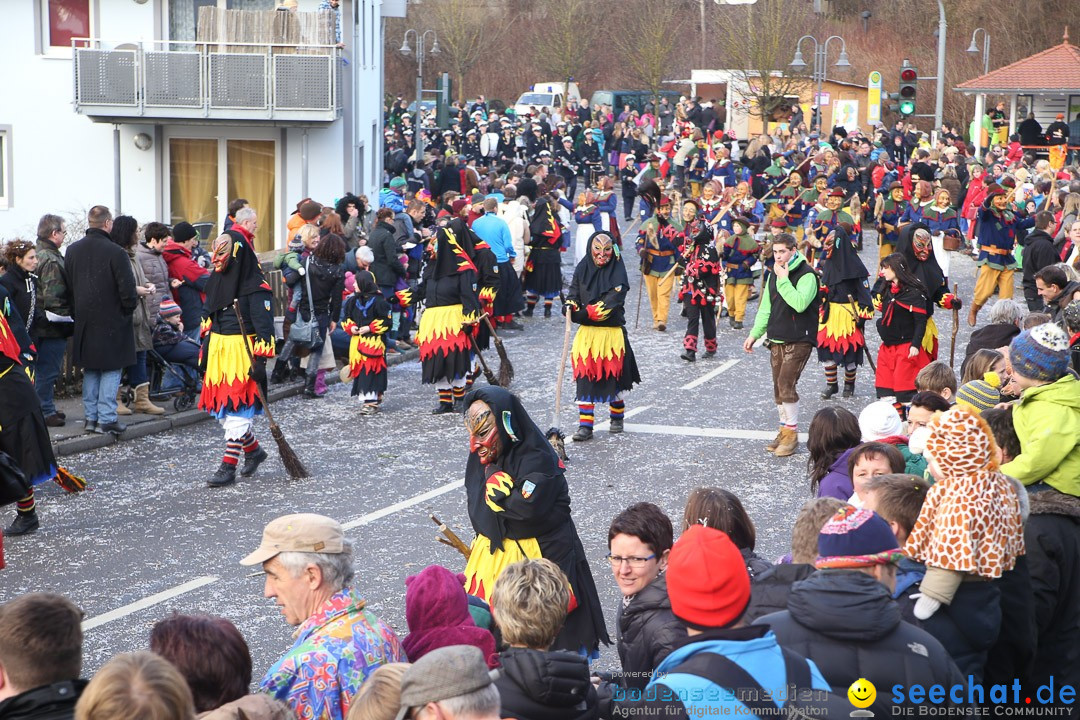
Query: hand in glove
[[925, 606], [951, 302], [301, 271], [498, 487], [258, 372]]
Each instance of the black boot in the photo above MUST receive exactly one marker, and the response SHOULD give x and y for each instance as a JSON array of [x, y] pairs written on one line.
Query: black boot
[[280, 374], [688, 355], [547, 310], [225, 475], [459, 405], [252, 461], [23, 524], [583, 433], [849, 388], [529, 309], [616, 425], [443, 408], [830, 390], [309, 387]]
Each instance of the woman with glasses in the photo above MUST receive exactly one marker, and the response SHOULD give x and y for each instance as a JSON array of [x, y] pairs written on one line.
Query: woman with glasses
[[639, 541]]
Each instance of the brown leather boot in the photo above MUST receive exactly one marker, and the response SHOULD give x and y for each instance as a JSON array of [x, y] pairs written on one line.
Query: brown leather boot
[[121, 408], [789, 440], [775, 441], [973, 313], [142, 401]]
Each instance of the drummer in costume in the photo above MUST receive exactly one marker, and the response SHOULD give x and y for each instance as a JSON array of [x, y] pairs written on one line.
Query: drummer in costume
[[917, 248], [833, 216], [543, 274], [888, 211], [700, 289], [519, 507], [840, 328], [229, 385], [367, 319], [451, 309], [23, 433], [602, 358]]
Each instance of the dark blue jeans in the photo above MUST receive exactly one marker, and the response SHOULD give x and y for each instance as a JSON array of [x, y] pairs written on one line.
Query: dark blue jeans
[[136, 374], [50, 359]]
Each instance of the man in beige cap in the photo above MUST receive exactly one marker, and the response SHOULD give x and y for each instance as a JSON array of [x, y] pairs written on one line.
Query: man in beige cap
[[308, 566], [451, 683]]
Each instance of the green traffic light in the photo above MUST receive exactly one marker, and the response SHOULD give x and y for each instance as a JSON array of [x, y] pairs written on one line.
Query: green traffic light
[[907, 107]]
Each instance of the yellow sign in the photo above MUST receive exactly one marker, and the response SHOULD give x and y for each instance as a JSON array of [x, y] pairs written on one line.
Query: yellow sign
[[873, 98]]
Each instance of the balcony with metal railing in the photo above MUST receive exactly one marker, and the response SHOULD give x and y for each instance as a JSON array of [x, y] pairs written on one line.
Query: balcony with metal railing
[[190, 81]]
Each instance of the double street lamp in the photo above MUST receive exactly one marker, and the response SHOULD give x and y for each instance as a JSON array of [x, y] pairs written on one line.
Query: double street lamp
[[820, 69], [421, 50]]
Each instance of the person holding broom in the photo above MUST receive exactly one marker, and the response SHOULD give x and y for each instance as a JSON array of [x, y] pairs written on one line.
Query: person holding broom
[[602, 358], [519, 507], [229, 390]]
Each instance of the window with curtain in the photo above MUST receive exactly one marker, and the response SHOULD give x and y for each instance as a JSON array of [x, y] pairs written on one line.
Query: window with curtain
[[250, 174], [193, 173], [63, 20]]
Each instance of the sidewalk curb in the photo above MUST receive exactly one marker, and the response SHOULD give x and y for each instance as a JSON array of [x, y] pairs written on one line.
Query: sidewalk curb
[[153, 425]]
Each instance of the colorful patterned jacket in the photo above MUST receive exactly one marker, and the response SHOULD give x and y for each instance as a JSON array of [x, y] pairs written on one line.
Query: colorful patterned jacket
[[739, 254], [335, 650]]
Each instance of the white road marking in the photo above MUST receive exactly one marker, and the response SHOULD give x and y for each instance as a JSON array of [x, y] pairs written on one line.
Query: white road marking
[[147, 602], [628, 414], [735, 434], [415, 500], [727, 365]]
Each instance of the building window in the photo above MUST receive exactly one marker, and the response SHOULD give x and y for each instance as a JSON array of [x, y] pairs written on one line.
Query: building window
[[5, 167], [62, 21]]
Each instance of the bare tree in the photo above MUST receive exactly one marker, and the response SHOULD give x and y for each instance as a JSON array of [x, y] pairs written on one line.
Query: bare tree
[[469, 31], [758, 42], [564, 51], [646, 43]]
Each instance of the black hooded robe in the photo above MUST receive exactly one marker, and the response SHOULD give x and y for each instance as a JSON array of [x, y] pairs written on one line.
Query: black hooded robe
[[367, 352], [543, 273], [843, 275], [532, 521], [929, 273]]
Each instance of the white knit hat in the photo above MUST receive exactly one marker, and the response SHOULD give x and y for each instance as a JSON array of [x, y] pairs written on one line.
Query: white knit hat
[[879, 420]]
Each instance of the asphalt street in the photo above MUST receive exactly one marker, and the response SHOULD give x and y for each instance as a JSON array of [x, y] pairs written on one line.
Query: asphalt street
[[149, 537]]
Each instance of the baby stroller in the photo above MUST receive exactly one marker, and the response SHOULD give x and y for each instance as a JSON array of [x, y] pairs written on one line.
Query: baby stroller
[[172, 380]]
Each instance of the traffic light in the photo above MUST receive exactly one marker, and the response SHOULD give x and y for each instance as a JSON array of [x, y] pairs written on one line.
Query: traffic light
[[909, 78]]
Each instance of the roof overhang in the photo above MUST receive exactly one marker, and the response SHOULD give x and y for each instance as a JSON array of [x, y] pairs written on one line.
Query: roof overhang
[[1017, 91]]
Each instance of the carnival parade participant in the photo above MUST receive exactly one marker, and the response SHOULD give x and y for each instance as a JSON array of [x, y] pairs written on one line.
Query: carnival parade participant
[[888, 211], [519, 507], [229, 383], [847, 305], [543, 276], [367, 319], [916, 246], [834, 215], [700, 289], [904, 312], [739, 253], [452, 308], [603, 361], [997, 239], [656, 245]]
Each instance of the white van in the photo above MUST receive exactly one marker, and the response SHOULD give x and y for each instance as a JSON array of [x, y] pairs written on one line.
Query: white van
[[552, 95]]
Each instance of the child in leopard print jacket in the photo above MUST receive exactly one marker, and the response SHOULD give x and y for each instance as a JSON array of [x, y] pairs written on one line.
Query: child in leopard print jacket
[[970, 523]]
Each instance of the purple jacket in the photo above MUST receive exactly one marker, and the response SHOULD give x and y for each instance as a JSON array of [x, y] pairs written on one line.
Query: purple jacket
[[837, 483]]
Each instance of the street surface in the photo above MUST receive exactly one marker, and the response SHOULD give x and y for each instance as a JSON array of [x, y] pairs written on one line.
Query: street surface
[[149, 537]]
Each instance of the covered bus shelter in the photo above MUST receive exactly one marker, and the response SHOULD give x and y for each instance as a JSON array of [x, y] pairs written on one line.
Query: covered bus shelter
[[1044, 84]]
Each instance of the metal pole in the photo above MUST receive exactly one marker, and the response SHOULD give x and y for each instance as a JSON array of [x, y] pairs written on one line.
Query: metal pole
[[702, 4], [939, 101], [304, 163], [819, 60], [417, 134], [116, 170]]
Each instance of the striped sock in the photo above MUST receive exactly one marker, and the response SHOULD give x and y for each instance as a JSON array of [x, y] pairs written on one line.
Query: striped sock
[[249, 443], [901, 409], [586, 414], [849, 376], [233, 448], [446, 396], [830, 374], [27, 504], [548, 302], [459, 393], [618, 407]]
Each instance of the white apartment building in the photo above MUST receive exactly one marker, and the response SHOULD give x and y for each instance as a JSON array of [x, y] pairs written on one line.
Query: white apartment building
[[112, 102]]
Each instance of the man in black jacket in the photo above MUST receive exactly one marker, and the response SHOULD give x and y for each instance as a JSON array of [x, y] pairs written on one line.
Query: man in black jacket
[[40, 657], [1038, 253], [1054, 287], [843, 618]]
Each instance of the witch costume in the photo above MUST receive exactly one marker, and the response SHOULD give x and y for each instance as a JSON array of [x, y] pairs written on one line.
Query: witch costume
[[543, 274], [519, 507], [847, 305], [700, 288], [603, 361], [229, 385], [918, 252], [451, 306], [367, 319]]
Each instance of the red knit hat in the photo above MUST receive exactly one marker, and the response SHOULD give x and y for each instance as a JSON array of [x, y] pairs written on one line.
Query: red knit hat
[[707, 580]]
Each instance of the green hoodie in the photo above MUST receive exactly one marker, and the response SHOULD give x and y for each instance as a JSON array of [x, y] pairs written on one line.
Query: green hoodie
[[799, 298], [1047, 421]]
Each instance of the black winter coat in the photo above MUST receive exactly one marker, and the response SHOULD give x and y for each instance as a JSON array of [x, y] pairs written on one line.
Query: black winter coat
[[48, 702], [647, 632], [386, 267], [536, 685], [327, 285], [845, 621], [24, 289], [1038, 253], [1052, 538], [103, 302], [770, 590]]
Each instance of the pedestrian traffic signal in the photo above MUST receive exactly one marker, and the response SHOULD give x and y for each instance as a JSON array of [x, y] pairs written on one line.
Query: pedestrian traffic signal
[[909, 78]]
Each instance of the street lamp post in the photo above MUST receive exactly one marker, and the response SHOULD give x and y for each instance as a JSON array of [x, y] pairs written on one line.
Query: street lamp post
[[980, 100], [821, 63], [421, 40]]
